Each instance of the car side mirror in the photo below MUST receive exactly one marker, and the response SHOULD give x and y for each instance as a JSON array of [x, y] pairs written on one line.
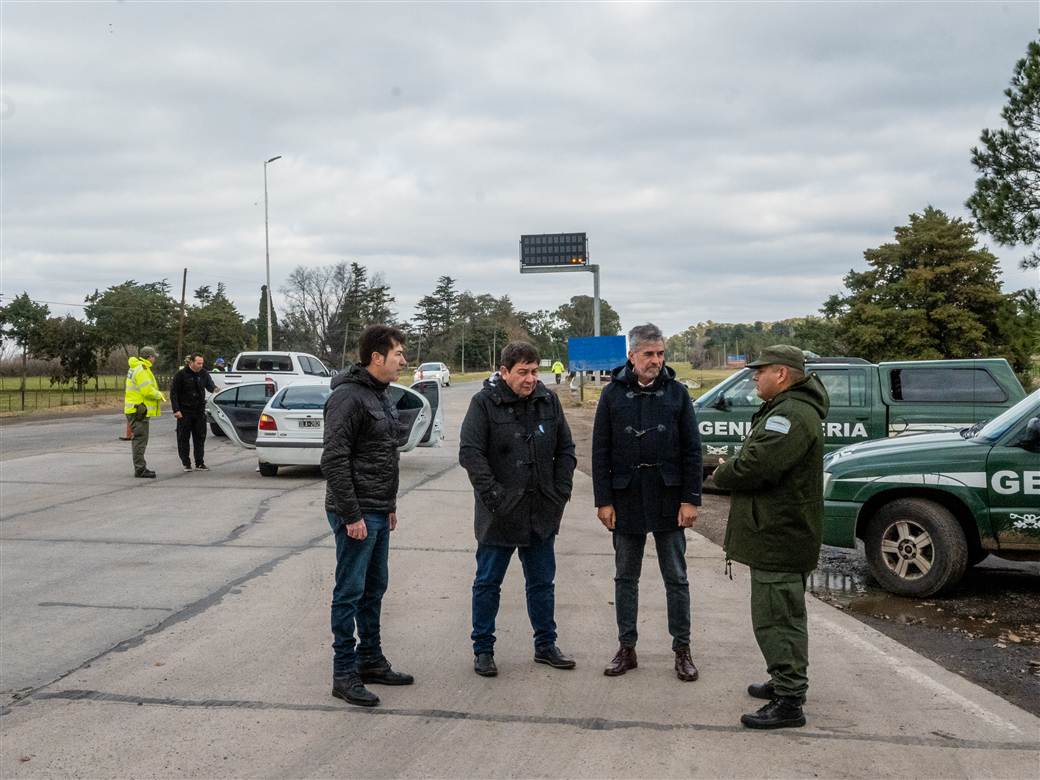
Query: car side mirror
[[1031, 441], [721, 402]]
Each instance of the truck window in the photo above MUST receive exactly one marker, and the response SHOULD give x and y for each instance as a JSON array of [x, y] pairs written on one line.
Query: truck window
[[935, 384], [844, 387], [264, 363], [743, 392]]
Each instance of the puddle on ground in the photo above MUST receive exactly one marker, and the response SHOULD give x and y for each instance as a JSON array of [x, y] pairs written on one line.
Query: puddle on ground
[[991, 603]]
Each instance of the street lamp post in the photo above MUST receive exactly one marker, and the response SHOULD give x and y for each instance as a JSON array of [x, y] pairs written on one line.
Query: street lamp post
[[267, 251]]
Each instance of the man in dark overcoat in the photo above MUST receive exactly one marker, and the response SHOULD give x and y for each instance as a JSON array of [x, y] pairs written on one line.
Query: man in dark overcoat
[[517, 448], [646, 472]]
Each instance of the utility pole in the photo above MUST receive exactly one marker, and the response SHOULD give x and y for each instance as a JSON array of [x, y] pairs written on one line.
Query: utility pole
[[463, 346], [180, 327], [267, 252]]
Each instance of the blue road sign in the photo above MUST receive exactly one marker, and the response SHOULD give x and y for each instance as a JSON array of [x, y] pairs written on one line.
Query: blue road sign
[[595, 353]]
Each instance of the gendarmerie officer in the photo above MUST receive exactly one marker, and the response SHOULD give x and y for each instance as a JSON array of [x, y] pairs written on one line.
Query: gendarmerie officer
[[775, 524]]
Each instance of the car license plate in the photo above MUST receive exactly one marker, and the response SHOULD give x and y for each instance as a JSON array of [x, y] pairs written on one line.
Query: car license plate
[[310, 423]]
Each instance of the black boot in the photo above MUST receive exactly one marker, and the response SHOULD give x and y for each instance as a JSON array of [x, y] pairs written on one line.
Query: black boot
[[351, 689], [781, 713], [765, 691], [380, 673], [484, 665]]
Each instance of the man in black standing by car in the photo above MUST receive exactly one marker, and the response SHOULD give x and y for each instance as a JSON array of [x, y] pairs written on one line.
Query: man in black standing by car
[[360, 464], [188, 399], [517, 448], [646, 477]]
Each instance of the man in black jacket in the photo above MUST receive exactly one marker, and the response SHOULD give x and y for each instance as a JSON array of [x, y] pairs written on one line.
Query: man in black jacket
[[188, 399], [646, 476], [519, 454], [360, 464]]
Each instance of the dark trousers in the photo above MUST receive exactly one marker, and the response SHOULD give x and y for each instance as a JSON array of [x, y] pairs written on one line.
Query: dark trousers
[[628, 563], [779, 619], [539, 562], [191, 424], [362, 576], [138, 422]]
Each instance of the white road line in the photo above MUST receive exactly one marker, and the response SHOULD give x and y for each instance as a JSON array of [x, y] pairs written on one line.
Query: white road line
[[900, 668]]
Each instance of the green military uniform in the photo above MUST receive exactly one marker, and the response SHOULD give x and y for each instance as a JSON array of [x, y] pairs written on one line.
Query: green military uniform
[[776, 517]]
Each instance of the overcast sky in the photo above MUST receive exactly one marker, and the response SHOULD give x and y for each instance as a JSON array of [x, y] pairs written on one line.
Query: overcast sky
[[728, 161]]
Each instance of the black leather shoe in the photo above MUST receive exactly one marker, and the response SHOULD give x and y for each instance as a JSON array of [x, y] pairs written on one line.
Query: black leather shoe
[[623, 660], [781, 713], [201, 467], [146, 474], [352, 690], [552, 656], [484, 665], [766, 691], [380, 673], [684, 668]]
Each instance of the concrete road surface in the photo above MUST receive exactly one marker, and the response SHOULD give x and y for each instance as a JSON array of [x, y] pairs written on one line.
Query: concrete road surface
[[180, 628]]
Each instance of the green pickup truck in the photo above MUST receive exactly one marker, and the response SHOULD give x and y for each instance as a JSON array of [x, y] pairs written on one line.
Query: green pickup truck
[[926, 507], [869, 401]]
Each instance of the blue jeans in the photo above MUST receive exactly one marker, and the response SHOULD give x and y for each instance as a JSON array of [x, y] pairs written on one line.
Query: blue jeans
[[539, 562], [362, 576], [628, 562]]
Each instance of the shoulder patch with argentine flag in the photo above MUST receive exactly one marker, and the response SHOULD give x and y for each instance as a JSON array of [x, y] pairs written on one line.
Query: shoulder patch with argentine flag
[[778, 423]]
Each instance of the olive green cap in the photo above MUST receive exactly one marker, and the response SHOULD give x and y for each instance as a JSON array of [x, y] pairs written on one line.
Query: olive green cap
[[148, 352], [780, 355]]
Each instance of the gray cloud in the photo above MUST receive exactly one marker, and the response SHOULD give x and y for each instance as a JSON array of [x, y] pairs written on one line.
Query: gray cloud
[[729, 161]]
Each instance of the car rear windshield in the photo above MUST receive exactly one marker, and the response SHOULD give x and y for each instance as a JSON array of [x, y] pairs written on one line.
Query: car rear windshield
[[430, 367], [303, 397], [933, 384], [264, 363]]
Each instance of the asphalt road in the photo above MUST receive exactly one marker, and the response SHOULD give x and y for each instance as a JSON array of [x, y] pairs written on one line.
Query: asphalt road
[[180, 628]]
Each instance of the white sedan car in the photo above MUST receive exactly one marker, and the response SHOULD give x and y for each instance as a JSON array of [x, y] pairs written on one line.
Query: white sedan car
[[286, 428], [437, 371]]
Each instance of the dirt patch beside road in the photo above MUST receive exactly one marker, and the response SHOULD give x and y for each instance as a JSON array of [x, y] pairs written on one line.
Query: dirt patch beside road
[[987, 630]]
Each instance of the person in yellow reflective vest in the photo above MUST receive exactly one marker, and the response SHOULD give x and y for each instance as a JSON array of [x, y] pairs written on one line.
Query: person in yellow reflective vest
[[557, 369], [140, 402]]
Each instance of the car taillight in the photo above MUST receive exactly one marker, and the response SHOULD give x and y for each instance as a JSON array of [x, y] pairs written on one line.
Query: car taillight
[[267, 423]]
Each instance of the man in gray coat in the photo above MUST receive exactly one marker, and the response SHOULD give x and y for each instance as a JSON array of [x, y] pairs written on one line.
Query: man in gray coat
[[517, 448]]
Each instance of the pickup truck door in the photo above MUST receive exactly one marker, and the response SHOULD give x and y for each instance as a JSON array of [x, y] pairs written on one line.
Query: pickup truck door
[[237, 411], [1013, 489], [851, 418], [941, 395], [430, 389]]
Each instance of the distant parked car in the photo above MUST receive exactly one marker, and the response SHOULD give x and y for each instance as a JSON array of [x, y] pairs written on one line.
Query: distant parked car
[[286, 427], [437, 371]]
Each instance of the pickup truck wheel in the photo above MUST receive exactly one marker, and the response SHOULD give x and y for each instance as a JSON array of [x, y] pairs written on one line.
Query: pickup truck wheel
[[268, 469], [915, 547], [217, 430]]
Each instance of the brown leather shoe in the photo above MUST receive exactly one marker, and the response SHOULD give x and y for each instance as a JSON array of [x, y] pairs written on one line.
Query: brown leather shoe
[[684, 668], [623, 660]]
